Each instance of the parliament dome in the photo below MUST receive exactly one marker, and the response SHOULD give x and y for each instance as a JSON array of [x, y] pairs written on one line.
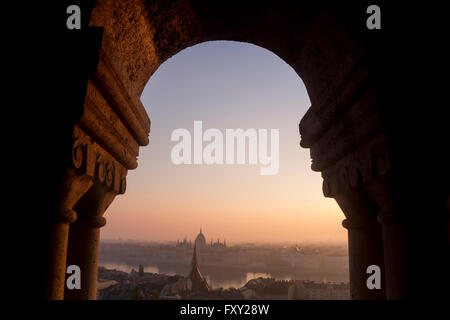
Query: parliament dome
[[200, 241]]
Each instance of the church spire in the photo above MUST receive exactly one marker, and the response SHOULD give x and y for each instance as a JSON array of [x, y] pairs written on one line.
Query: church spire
[[198, 282], [194, 258]]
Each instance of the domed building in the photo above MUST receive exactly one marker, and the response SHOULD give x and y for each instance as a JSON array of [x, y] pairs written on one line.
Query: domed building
[[200, 241]]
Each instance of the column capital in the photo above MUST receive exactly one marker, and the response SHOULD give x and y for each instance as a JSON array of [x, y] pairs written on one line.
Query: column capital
[[92, 160], [357, 168]]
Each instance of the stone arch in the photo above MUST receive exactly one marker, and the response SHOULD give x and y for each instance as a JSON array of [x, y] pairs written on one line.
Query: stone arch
[[318, 44], [345, 127]]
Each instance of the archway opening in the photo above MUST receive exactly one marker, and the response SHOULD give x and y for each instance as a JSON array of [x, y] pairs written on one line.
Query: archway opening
[[229, 85]]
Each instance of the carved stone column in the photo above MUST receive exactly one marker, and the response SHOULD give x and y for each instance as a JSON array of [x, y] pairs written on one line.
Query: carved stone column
[[395, 238], [63, 181], [75, 185], [113, 126], [416, 253], [365, 245], [57, 238], [343, 182], [84, 240], [84, 234], [83, 251]]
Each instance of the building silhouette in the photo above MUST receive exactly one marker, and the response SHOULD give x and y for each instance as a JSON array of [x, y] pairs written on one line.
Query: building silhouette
[[361, 131], [200, 240], [199, 284]]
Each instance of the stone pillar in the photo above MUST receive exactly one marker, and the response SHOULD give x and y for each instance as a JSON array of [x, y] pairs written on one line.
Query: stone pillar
[[395, 253], [84, 240], [395, 239], [416, 252], [77, 50], [365, 245], [83, 251], [58, 232], [74, 186]]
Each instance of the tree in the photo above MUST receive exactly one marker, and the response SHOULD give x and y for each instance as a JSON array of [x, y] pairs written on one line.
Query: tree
[[101, 269], [136, 293], [141, 270]]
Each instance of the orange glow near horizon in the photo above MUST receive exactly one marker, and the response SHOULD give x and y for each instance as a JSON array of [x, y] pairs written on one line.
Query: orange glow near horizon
[[226, 85]]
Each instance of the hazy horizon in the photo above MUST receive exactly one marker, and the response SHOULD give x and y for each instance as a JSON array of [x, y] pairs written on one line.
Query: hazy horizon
[[229, 243], [226, 85]]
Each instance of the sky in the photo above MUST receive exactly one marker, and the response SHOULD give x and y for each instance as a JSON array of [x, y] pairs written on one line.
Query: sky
[[226, 85]]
